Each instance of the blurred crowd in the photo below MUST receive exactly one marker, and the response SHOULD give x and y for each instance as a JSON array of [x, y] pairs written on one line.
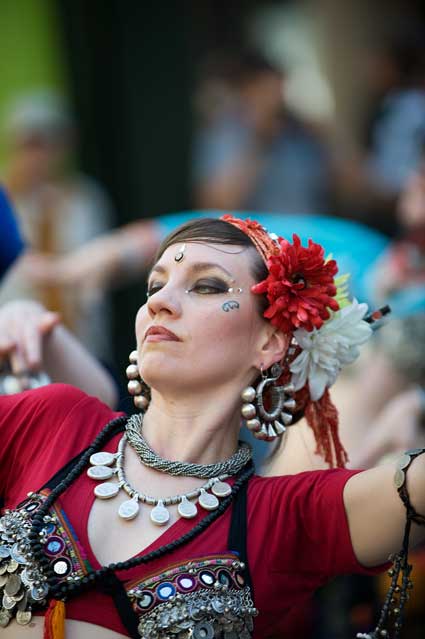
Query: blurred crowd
[[251, 154]]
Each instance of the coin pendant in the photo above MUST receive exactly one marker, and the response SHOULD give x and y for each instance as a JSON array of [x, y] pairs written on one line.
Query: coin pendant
[[23, 617], [13, 585], [16, 555], [208, 501], [160, 515], [100, 472], [8, 602], [129, 509], [102, 459], [399, 478], [106, 490], [5, 617], [39, 592], [187, 509], [221, 489], [24, 602], [12, 565], [4, 552]]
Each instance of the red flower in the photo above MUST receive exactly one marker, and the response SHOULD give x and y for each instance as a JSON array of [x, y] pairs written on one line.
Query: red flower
[[300, 286]]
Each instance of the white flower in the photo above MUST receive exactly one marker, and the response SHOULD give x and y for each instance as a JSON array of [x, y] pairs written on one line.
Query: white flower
[[327, 350]]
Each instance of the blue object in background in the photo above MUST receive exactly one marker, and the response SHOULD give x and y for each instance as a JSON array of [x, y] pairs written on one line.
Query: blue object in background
[[11, 243], [354, 246]]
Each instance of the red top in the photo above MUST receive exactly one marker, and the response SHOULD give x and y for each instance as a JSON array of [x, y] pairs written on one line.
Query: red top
[[298, 535]]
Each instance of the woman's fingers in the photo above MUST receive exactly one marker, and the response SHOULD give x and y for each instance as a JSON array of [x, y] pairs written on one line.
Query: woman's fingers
[[48, 321], [24, 324]]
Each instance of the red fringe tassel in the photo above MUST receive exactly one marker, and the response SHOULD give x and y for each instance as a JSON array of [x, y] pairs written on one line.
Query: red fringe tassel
[[322, 417]]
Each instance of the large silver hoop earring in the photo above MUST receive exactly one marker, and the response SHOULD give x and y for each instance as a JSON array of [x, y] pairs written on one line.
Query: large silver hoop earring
[[136, 385], [268, 423]]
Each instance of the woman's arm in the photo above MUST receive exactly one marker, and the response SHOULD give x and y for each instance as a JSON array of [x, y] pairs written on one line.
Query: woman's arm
[[376, 514], [31, 338], [111, 258]]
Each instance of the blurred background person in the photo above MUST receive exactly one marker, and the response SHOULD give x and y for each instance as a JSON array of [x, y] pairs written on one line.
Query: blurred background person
[[58, 209], [393, 128], [250, 151]]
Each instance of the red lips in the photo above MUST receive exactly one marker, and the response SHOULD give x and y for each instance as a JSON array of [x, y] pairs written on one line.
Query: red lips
[[160, 333]]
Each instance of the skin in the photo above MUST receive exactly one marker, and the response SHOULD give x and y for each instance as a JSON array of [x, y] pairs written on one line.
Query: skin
[[215, 355]]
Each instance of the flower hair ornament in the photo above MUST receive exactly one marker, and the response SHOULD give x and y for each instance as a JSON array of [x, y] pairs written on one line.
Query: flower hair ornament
[[308, 302]]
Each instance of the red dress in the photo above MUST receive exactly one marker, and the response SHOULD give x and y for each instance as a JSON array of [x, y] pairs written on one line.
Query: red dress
[[297, 533]]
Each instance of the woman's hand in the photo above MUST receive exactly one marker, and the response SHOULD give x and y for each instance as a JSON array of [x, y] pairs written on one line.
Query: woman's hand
[[23, 326], [32, 338]]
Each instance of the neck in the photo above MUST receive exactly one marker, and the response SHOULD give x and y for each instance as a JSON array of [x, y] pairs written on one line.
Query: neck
[[198, 429]]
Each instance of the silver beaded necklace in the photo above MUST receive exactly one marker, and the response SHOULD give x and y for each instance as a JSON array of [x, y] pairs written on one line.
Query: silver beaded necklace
[[105, 465], [149, 457]]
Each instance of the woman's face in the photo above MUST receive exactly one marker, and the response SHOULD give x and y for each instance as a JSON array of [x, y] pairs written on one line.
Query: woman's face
[[200, 327]]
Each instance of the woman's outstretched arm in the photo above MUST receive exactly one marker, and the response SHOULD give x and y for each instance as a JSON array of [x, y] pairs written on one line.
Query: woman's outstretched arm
[[32, 339], [376, 514]]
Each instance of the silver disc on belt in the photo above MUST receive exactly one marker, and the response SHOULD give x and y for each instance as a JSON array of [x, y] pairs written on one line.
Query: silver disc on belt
[[100, 472], [203, 630], [102, 459], [106, 490], [12, 566], [13, 585], [4, 552], [129, 509], [16, 555], [208, 501], [8, 602], [23, 617], [5, 617]]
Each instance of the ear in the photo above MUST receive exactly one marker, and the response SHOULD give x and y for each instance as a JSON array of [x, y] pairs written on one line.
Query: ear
[[273, 348]]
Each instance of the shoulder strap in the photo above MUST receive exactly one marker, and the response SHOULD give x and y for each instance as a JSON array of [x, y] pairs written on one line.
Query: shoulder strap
[[238, 532]]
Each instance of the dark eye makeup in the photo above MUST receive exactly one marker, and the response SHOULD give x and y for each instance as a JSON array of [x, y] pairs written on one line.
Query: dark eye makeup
[[204, 286]]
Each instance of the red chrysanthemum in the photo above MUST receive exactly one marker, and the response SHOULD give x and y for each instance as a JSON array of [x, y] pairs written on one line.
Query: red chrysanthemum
[[300, 286]]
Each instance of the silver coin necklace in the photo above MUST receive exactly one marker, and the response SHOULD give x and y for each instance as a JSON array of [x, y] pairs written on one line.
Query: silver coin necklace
[[106, 466]]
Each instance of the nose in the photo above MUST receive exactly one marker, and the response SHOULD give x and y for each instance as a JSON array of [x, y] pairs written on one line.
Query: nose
[[165, 301]]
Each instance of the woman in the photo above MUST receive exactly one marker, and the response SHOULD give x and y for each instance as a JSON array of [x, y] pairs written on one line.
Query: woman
[[201, 339]]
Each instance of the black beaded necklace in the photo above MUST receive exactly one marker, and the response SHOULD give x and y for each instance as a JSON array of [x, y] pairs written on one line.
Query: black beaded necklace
[[103, 575]]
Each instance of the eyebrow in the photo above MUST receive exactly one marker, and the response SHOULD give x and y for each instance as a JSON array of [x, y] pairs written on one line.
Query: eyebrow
[[196, 267]]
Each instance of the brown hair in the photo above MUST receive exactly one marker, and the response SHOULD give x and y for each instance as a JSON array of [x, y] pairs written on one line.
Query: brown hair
[[213, 231]]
